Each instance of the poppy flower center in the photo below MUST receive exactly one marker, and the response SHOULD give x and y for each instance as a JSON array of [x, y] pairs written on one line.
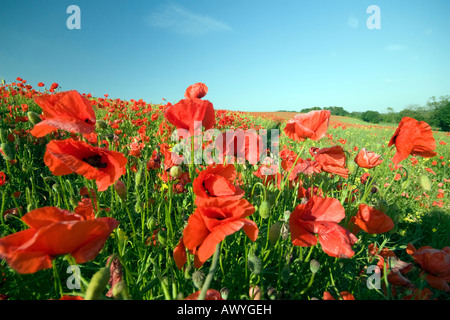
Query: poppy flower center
[[90, 121], [95, 161]]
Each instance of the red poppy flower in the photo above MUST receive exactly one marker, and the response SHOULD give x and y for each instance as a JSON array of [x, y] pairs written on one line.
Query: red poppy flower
[[371, 220], [68, 156], [217, 181], [435, 262], [412, 137], [344, 295], [312, 125], [269, 174], [54, 232], [196, 91], [367, 159], [320, 216], [212, 221], [40, 84], [192, 113], [331, 160], [211, 294], [2, 178], [68, 111]]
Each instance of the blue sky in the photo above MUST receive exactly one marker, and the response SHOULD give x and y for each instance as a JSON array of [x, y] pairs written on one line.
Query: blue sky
[[263, 55]]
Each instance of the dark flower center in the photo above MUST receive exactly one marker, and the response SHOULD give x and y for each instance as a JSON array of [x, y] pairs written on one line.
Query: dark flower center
[[95, 161]]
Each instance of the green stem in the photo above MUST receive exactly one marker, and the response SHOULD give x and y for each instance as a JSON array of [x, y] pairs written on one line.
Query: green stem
[[211, 272]]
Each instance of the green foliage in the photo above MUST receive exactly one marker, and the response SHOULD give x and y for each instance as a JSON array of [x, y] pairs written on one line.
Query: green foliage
[[371, 116]]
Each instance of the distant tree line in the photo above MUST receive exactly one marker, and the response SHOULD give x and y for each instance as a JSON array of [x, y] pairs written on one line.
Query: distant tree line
[[436, 113]]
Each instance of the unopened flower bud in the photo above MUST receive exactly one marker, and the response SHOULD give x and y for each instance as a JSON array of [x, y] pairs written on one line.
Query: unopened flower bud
[[255, 292], [224, 292], [264, 209], [121, 189], [97, 284], [151, 223], [101, 124], [33, 117], [7, 151], [274, 232], [314, 265], [188, 272], [254, 264], [351, 165], [285, 231], [425, 182], [162, 237], [120, 291]]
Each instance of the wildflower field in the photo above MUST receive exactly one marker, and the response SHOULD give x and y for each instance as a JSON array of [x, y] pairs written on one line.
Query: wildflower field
[[97, 202]]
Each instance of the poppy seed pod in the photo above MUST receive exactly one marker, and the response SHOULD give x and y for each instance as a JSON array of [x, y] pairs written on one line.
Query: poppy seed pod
[[175, 171], [97, 284], [198, 277]]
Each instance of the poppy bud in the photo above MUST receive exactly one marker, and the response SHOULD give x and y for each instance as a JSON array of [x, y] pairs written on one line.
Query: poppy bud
[[33, 117], [197, 278], [224, 292], [120, 291], [254, 264], [287, 214], [138, 180], [274, 232], [272, 293], [188, 272], [151, 223], [97, 284], [121, 189], [405, 184], [101, 124], [254, 292], [314, 265], [162, 237], [284, 231], [264, 210], [425, 182], [175, 171], [351, 165], [7, 151]]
